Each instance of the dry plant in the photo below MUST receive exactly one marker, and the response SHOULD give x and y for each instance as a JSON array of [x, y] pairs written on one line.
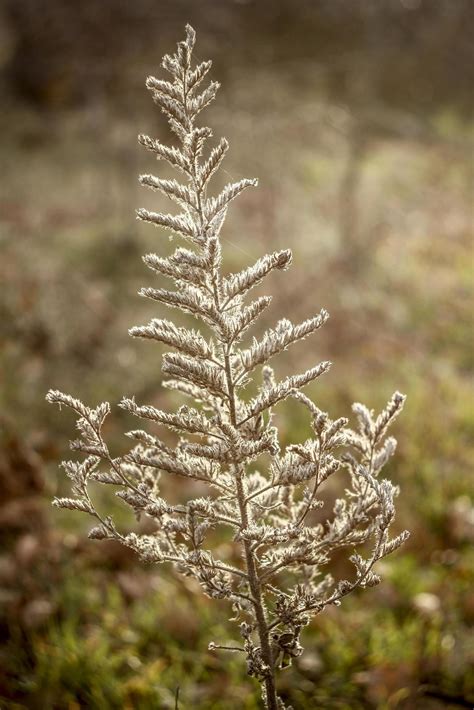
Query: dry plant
[[283, 580]]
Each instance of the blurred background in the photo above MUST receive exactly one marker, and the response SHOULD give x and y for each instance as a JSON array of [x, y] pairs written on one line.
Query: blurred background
[[357, 118]]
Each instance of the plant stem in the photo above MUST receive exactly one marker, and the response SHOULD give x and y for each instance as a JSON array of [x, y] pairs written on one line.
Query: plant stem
[[256, 589], [251, 564]]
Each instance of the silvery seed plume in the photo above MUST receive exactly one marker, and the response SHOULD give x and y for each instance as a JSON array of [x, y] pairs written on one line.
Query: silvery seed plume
[[282, 579]]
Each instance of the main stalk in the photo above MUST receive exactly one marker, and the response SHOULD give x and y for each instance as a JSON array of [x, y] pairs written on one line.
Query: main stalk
[[256, 590], [251, 562]]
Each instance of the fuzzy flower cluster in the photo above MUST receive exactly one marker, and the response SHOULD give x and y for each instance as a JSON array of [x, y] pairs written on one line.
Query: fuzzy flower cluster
[[276, 578]]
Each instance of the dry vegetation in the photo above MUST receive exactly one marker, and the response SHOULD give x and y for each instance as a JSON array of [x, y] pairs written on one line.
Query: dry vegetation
[[375, 199]]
